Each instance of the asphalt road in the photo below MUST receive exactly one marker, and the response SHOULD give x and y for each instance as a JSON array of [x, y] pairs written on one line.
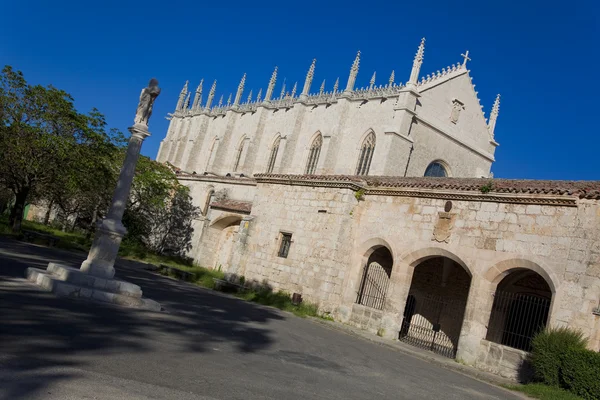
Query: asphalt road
[[204, 346]]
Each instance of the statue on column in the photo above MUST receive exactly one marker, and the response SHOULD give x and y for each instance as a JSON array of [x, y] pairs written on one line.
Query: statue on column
[[147, 97]]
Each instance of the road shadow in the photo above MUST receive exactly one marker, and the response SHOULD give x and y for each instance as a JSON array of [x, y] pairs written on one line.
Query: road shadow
[[39, 330]]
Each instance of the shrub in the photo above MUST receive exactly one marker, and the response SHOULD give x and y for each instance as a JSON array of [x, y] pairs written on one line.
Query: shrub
[[580, 373], [549, 347]]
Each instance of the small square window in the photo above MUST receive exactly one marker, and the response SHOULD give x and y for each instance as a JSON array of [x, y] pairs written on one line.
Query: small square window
[[284, 247]]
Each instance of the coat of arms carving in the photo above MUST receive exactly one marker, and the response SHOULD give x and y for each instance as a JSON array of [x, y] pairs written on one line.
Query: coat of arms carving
[[443, 227]]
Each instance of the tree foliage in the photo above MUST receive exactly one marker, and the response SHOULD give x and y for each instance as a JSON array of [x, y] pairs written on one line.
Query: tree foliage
[[45, 142], [160, 212], [70, 161]]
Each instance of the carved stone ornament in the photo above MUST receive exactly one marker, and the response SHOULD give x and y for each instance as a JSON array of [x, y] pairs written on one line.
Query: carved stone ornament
[[443, 227], [147, 97], [457, 107]]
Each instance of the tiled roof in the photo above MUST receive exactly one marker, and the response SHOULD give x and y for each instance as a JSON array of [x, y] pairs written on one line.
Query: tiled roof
[[581, 189], [233, 205]]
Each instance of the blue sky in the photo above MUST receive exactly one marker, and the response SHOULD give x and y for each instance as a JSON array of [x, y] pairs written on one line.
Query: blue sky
[[541, 56]]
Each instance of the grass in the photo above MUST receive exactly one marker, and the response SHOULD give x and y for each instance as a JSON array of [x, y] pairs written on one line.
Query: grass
[[78, 241], [257, 294], [544, 392], [202, 276]]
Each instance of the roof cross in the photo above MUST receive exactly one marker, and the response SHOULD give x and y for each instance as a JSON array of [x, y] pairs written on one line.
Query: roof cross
[[466, 57]]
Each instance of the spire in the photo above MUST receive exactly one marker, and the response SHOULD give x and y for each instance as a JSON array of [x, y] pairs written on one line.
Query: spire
[[259, 95], [187, 101], [198, 96], [211, 95], [309, 78], [229, 100], [182, 94], [322, 88], [220, 101], [272, 82], [249, 97], [282, 90], [294, 89], [414, 74], [336, 85], [494, 116], [392, 78], [372, 81], [240, 90], [353, 73]]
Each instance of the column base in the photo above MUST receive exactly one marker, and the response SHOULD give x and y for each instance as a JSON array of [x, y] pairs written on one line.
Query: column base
[[104, 250], [74, 283]]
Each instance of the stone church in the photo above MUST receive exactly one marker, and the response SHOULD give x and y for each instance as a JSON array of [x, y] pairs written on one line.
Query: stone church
[[378, 204]]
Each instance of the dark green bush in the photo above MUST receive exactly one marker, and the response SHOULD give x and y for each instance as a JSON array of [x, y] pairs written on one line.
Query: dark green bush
[[548, 349], [580, 373]]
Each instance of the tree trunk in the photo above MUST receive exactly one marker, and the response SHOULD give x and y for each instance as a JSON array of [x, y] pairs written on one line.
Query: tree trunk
[[92, 225], [48, 212], [16, 216]]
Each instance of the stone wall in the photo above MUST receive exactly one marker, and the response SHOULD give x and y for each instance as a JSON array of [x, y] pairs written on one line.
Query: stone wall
[[465, 145], [487, 235], [319, 221]]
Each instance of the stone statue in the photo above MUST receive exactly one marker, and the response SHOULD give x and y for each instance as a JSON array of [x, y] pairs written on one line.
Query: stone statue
[[147, 97]]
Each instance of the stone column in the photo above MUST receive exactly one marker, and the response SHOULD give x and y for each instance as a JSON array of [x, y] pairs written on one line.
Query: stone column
[[102, 255]]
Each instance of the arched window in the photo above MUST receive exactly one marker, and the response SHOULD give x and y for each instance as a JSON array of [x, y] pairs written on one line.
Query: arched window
[[436, 169], [273, 156], [313, 156], [211, 153], [238, 154], [366, 155]]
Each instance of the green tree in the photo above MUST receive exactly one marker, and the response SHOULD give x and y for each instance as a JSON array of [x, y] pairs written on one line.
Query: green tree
[[44, 141]]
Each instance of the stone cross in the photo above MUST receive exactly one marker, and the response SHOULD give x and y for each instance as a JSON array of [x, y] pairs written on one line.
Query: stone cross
[[103, 253], [466, 57]]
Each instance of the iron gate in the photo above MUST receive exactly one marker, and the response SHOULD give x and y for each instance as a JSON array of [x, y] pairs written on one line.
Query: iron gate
[[374, 286], [432, 323]]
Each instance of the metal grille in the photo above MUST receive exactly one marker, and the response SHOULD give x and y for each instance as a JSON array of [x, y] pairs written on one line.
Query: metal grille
[[432, 323], [374, 286], [284, 248], [516, 318]]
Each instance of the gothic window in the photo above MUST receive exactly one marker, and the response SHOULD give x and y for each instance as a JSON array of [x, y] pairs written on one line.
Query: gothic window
[[366, 155], [211, 153], [284, 246], [238, 154], [436, 169], [313, 156], [273, 156]]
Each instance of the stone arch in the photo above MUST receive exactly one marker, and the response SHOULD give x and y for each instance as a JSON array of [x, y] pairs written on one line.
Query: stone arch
[[364, 136], [502, 269], [239, 152], [212, 151], [224, 230], [416, 257], [366, 149], [209, 194], [444, 165], [377, 261], [313, 150], [226, 220], [273, 153], [523, 295], [436, 302]]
